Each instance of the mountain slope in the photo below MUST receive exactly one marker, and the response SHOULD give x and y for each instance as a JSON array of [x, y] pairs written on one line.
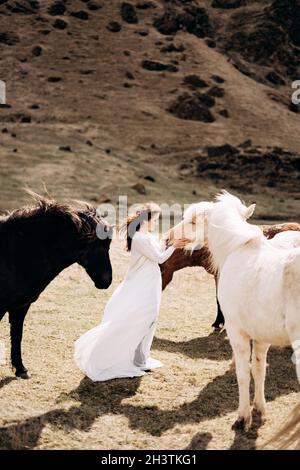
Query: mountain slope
[[106, 93]]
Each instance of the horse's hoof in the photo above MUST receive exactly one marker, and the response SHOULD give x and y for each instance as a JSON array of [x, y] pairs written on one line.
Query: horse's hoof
[[232, 364], [241, 424], [218, 328], [259, 415], [24, 374]]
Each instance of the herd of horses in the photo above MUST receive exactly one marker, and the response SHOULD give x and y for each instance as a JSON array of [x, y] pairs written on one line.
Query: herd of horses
[[256, 268]]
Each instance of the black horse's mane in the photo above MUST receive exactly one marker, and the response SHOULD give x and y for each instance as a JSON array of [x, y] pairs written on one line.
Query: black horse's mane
[[82, 215]]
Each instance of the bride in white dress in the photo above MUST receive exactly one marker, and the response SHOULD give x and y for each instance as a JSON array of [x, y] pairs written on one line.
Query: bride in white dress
[[120, 345]]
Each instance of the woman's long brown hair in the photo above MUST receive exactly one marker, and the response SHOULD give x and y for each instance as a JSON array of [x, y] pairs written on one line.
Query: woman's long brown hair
[[133, 222]]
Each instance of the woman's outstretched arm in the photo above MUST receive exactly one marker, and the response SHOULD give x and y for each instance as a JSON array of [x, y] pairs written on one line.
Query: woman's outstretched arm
[[145, 247]]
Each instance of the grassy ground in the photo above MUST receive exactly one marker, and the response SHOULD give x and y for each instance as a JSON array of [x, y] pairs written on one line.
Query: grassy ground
[[190, 403]]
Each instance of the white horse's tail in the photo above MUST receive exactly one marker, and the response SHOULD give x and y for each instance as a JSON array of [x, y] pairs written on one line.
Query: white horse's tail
[[288, 437]]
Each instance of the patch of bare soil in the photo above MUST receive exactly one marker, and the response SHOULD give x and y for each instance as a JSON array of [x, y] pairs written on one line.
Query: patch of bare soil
[[246, 167]]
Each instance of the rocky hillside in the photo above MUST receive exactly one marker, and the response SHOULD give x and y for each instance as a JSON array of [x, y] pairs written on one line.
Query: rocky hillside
[[158, 99]]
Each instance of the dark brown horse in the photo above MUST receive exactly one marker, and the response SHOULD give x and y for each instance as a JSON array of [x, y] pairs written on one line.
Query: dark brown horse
[[183, 259], [36, 244]]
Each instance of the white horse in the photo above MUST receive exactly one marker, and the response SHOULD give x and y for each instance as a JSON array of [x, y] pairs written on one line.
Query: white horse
[[258, 288]]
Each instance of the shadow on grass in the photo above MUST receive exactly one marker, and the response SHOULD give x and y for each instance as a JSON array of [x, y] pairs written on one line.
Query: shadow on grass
[[247, 440], [200, 441], [216, 399], [6, 381], [95, 399], [214, 347]]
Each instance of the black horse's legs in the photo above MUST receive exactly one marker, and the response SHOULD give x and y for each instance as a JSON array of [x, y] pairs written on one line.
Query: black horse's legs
[[2, 315], [219, 321], [16, 318]]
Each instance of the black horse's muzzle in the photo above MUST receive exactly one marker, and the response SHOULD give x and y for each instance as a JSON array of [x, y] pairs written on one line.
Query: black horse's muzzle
[[103, 283]]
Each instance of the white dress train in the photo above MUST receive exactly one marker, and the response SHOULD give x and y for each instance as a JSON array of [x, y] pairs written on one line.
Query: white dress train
[[120, 345]]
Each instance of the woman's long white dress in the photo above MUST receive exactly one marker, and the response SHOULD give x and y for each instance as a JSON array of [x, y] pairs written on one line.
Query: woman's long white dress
[[120, 345]]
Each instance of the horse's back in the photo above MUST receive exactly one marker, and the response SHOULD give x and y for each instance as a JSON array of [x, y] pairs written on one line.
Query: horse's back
[[288, 240]]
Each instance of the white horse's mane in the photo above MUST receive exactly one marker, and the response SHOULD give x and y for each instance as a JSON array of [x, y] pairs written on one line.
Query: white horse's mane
[[228, 227], [230, 200], [196, 210]]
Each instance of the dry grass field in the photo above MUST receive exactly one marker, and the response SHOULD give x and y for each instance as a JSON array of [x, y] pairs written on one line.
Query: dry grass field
[[189, 404]]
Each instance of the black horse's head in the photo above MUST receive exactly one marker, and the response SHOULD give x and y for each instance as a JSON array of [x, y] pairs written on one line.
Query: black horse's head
[[96, 236], [75, 232]]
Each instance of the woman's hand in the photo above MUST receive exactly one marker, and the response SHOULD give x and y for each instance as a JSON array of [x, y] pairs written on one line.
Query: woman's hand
[[181, 242]]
